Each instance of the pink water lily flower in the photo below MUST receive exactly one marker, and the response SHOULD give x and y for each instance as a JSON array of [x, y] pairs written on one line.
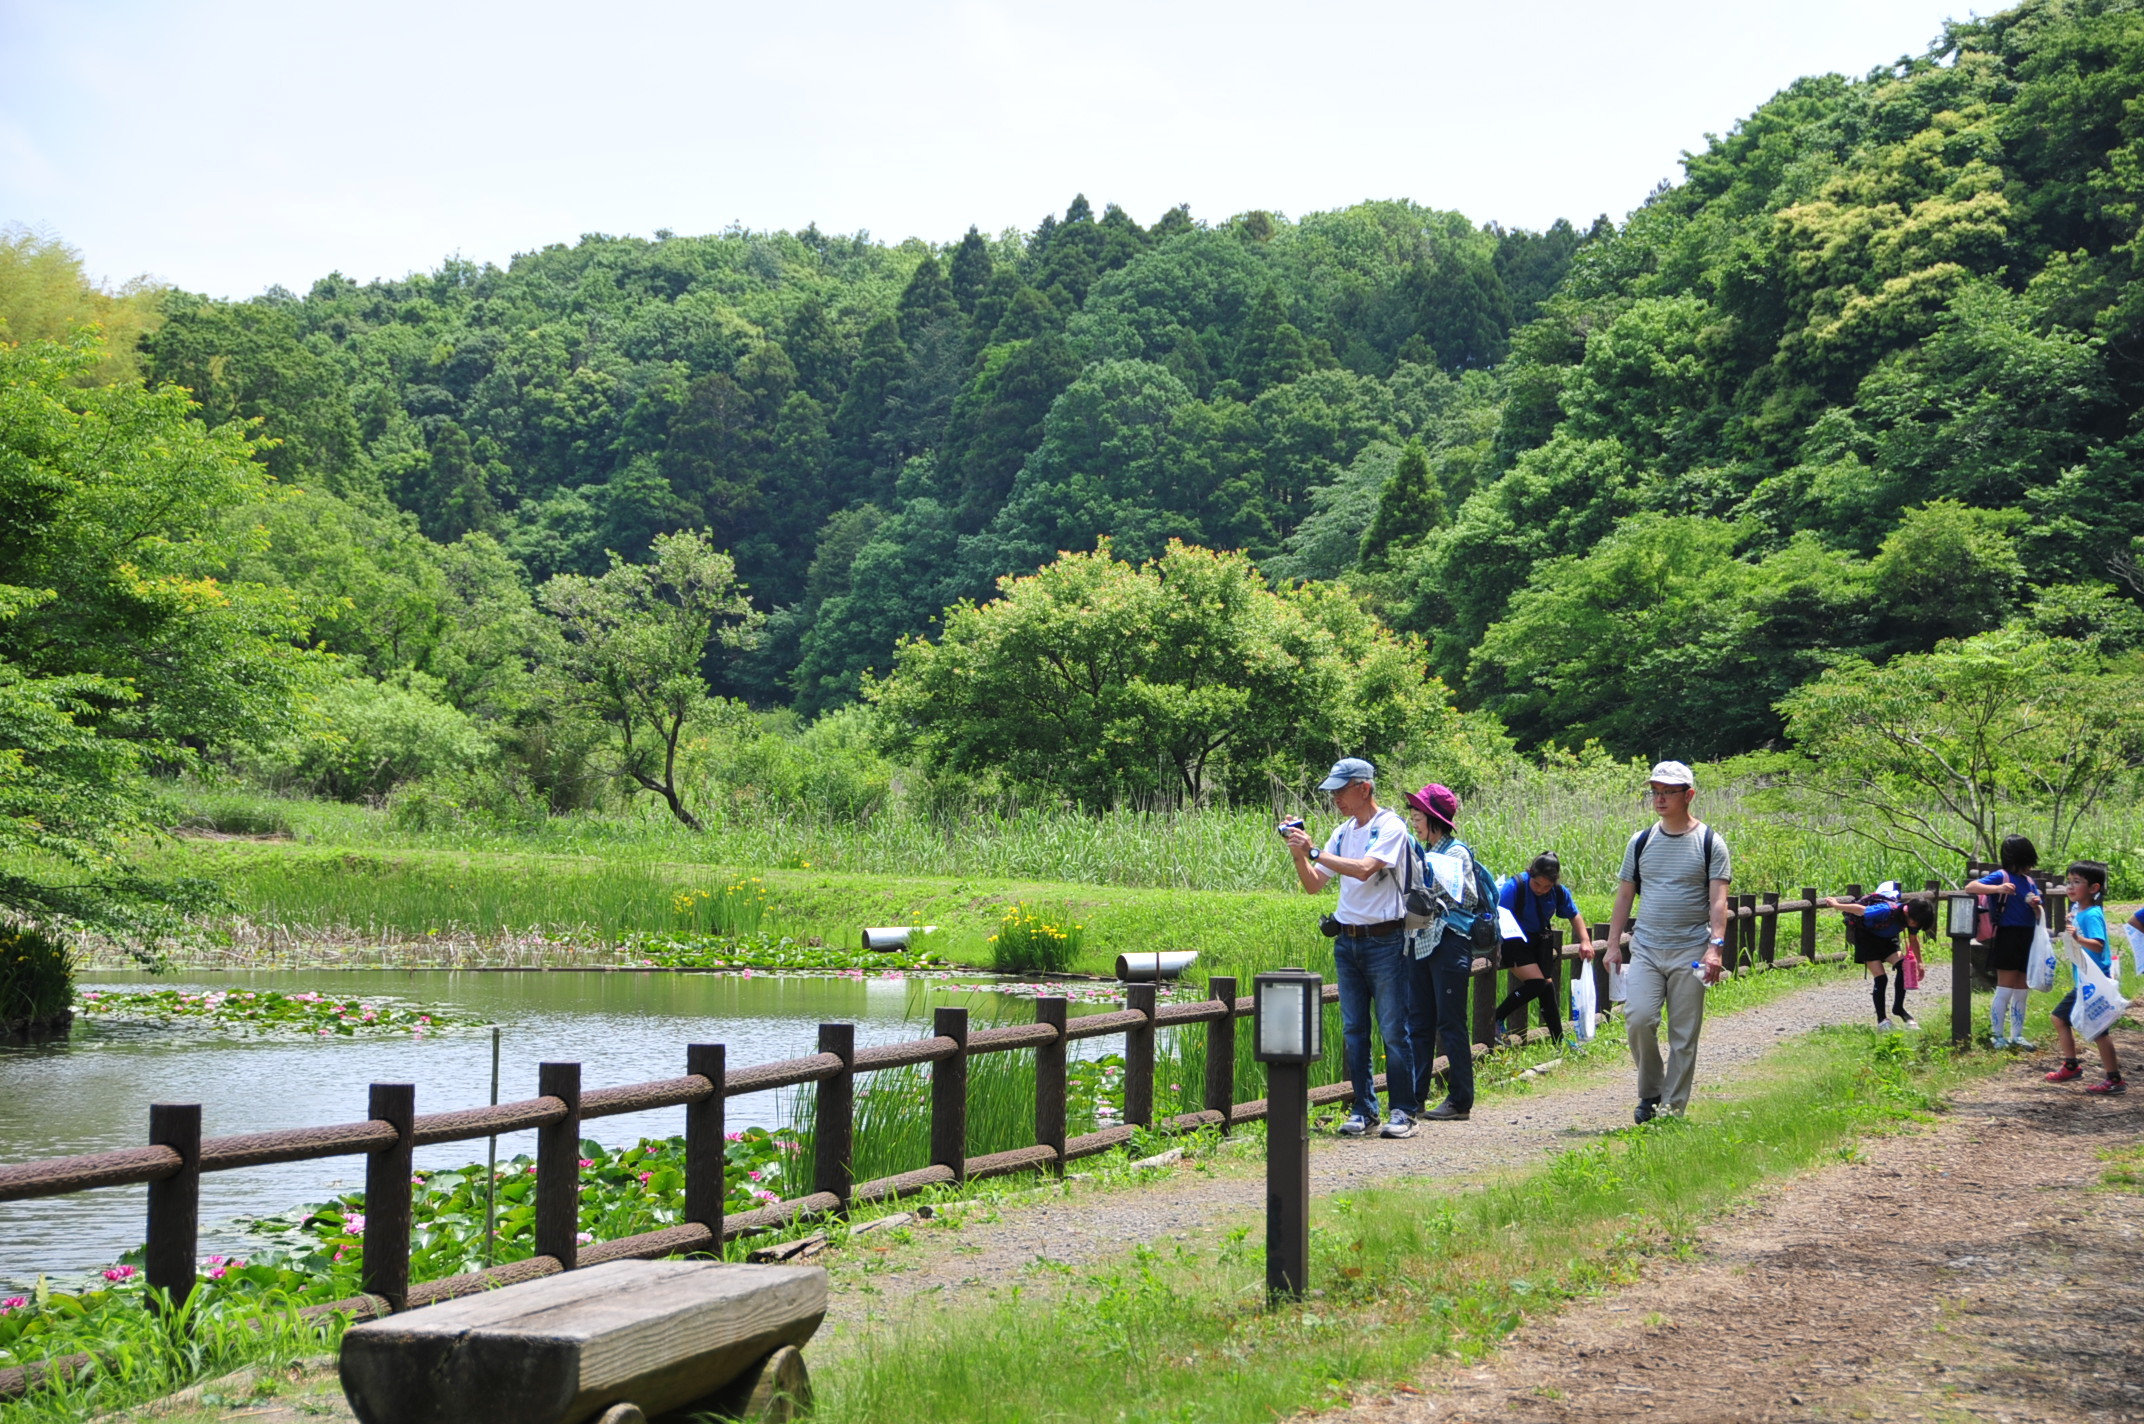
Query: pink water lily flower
[[119, 1273]]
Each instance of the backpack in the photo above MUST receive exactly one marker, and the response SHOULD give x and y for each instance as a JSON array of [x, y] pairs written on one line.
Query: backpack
[[1637, 856], [1476, 911]]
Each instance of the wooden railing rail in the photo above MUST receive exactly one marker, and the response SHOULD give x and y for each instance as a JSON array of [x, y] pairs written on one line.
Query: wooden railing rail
[[171, 1165]]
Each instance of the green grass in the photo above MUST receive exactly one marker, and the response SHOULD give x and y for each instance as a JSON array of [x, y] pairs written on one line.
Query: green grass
[[1407, 1273]]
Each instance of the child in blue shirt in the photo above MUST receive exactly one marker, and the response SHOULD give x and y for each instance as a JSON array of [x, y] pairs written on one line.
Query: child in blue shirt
[[2087, 889], [1537, 900], [2016, 900], [1883, 917]]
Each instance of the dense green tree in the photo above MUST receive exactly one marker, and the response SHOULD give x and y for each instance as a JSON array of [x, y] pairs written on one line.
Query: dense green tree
[[970, 271], [996, 422], [125, 645], [246, 361], [1408, 508], [1186, 675], [636, 643]]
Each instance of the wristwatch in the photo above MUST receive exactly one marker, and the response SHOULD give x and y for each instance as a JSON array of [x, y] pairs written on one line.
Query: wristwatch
[[1314, 855], [1718, 943]]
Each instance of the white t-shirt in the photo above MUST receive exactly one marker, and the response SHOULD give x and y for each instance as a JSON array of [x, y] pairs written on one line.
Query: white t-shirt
[[1372, 901]]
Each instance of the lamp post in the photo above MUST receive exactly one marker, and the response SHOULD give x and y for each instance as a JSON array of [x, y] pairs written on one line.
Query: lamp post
[[1289, 1035], [1960, 925]]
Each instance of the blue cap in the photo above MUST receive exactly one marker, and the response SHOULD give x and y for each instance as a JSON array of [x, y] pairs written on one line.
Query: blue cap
[[1345, 770]]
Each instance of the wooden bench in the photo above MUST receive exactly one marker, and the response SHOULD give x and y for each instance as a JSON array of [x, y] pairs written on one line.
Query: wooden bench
[[618, 1342]]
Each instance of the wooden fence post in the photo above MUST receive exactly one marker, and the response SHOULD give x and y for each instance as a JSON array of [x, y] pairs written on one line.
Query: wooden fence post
[[707, 1147], [174, 1202], [1554, 974], [1139, 1058], [1768, 930], [387, 1196], [558, 1166], [1746, 928], [834, 1124], [949, 1096], [1809, 923], [1221, 1049], [1050, 1082]]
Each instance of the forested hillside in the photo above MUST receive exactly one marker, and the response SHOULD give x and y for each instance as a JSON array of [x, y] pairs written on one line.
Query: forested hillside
[[1865, 379], [872, 431]]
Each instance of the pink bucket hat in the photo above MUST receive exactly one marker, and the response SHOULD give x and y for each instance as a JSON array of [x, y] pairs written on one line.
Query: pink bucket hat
[[1437, 802]]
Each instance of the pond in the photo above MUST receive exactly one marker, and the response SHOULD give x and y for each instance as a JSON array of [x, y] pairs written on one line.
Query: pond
[[91, 1093]]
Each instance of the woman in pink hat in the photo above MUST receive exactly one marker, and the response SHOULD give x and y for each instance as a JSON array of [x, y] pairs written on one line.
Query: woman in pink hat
[[1440, 963]]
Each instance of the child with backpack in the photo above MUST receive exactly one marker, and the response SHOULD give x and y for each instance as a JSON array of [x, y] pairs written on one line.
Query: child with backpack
[[2086, 886], [2015, 910], [1537, 900], [1876, 923]]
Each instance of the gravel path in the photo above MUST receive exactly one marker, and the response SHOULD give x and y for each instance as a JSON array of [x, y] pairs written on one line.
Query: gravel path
[[1507, 1131], [1980, 1266]]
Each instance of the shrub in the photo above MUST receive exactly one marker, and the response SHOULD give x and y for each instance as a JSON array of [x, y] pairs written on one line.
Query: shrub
[[36, 975], [1035, 942], [365, 738]]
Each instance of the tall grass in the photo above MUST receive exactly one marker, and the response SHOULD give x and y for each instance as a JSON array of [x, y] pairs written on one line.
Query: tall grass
[[1586, 816]]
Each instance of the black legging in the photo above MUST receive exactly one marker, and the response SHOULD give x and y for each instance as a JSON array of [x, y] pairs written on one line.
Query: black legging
[[1543, 990]]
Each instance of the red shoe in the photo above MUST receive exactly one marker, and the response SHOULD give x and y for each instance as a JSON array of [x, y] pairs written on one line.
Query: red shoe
[[2109, 1087], [2066, 1072]]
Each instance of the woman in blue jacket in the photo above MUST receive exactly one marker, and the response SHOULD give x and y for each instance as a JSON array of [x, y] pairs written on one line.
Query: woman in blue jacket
[[1537, 900]]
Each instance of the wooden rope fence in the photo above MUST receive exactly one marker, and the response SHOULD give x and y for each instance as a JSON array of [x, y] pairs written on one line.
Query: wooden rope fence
[[177, 1154]]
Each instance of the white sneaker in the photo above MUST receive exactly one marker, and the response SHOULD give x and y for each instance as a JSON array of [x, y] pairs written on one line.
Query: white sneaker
[[1886, 1026], [2023, 1044], [1355, 1126], [1909, 1021], [1998, 1041]]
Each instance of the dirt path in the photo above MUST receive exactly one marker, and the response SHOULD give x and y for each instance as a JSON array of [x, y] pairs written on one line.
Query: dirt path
[[1981, 1268], [1507, 1131]]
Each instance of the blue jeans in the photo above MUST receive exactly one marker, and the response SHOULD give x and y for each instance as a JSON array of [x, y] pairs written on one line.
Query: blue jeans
[[1373, 968], [1437, 986]]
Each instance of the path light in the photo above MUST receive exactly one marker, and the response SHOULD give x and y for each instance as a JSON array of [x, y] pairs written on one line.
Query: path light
[[1963, 909], [1288, 1033]]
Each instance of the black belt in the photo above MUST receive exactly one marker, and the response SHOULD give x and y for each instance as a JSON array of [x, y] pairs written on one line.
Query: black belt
[[1382, 927]]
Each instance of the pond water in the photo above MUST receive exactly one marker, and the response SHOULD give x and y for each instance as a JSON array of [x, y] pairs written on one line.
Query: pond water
[[91, 1093]]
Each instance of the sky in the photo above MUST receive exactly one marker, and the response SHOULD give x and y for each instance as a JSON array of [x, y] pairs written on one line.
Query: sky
[[231, 145]]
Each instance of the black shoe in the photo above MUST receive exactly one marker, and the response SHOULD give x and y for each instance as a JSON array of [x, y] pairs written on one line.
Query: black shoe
[[1445, 1112], [1647, 1108]]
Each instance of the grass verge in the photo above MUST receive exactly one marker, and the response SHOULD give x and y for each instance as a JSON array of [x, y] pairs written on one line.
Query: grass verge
[[1406, 1273]]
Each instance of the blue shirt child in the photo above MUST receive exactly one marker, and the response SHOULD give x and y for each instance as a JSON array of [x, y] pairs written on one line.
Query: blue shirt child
[[2091, 922], [2013, 909], [1536, 913]]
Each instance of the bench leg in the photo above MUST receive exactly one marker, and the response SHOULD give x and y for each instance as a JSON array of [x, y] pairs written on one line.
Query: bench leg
[[777, 1390]]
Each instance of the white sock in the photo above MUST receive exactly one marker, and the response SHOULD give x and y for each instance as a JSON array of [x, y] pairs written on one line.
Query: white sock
[[2017, 1013], [1999, 1012]]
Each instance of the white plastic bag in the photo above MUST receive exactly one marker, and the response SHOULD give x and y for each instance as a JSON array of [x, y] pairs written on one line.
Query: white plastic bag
[[1618, 979], [1583, 1002], [2136, 946], [2099, 1001], [2040, 963]]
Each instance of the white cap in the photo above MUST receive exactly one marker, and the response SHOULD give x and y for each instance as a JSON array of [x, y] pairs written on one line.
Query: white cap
[[1890, 890], [1672, 773]]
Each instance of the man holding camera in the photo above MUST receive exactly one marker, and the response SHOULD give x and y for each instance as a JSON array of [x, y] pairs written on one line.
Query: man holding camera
[[1369, 932]]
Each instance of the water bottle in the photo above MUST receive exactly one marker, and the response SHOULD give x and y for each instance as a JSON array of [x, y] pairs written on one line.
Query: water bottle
[[1697, 967]]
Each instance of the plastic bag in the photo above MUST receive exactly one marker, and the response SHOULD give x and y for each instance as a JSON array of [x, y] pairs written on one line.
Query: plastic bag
[[2099, 1001], [2040, 963], [2136, 946], [1583, 1002], [1909, 969], [1618, 979]]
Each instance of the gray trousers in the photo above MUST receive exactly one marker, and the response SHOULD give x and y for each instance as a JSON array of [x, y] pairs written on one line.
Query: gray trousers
[[1658, 981]]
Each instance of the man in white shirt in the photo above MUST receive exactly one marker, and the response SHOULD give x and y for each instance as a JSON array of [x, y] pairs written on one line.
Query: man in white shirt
[[1369, 952]]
